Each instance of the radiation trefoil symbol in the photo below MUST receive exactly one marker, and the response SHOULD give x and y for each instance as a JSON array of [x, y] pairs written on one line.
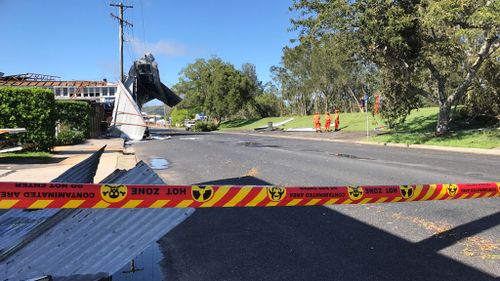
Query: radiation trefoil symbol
[[451, 189], [202, 193], [276, 193], [113, 193], [355, 192], [407, 191]]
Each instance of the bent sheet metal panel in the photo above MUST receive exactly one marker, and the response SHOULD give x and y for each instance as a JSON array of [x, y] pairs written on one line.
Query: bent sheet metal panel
[[92, 243], [18, 227], [127, 117]]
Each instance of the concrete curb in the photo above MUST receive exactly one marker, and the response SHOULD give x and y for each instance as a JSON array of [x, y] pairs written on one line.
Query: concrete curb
[[114, 157], [482, 151]]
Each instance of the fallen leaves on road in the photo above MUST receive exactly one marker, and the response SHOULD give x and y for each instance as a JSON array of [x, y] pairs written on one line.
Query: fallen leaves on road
[[434, 227], [474, 246], [481, 247], [252, 172]]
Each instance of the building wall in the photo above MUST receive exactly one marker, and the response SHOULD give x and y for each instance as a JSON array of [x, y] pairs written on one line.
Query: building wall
[[101, 93]]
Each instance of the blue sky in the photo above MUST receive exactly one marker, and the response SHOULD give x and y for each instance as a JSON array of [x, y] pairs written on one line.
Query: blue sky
[[78, 40]]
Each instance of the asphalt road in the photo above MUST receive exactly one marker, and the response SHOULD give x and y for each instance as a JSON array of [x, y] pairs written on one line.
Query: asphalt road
[[439, 240]]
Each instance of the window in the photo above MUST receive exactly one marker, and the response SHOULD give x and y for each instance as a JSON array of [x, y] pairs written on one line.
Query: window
[[112, 91], [58, 91], [65, 92]]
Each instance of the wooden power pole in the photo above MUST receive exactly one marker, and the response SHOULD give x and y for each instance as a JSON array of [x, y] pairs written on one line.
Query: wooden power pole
[[121, 21]]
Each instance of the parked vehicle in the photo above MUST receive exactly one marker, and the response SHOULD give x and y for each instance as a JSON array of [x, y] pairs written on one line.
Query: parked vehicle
[[188, 124]]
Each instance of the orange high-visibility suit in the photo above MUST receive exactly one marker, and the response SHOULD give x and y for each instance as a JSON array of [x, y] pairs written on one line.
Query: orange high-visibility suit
[[317, 122], [328, 120], [337, 121]]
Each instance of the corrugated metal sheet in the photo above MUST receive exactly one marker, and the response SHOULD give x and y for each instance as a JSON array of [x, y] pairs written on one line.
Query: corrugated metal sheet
[[83, 172], [18, 227], [114, 176], [127, 117], [91, 244]]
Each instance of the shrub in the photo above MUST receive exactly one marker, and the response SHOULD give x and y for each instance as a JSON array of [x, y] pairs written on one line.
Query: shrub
[[74, 115], [267, 105], [179, 115], [204, 127], [69, 137], [30, 108]]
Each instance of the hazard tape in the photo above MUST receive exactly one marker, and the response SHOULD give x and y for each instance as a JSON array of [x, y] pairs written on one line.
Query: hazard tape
[[72, 196]]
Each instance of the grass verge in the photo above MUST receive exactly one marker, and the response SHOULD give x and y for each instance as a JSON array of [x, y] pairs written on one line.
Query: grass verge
[[26, 155], [350, 122], [471, 138], [418, 129], [420, 126]]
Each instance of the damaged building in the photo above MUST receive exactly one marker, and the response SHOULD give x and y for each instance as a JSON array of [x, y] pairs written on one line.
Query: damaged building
[[118, 105]]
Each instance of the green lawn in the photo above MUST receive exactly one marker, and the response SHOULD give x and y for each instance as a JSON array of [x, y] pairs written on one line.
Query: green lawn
[[348, 122], [469, 138], [248, 124], [418, 129], [26, 155], [420, 126]]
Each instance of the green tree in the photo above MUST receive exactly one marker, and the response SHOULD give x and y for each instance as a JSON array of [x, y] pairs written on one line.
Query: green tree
[[214, 87], [323, 75], [424, 48], [483, 101], [268, 103], [250, 110], [294, 76], [179, 115]]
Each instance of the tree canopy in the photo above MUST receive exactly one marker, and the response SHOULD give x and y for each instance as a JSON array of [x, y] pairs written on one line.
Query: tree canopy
[[214, 87], [422, 49]]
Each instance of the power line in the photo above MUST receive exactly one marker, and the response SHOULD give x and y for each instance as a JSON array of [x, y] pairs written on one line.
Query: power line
[[143, 26], [121, 21]]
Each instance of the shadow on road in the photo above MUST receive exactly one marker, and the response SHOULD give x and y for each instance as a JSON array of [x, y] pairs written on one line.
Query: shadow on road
[[304, 243]]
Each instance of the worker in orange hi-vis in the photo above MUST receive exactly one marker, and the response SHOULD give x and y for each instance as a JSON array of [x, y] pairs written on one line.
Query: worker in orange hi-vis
[[317, 122], [328, 120], [336, 119]]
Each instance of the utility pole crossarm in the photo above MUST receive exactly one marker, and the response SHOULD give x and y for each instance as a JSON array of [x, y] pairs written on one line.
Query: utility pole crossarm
[[122, 20], [121, 5]]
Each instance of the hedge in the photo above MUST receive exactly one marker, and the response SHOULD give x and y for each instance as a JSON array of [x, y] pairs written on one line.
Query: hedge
[[69, 137], [30, 108], [204, 127], [74, 115]]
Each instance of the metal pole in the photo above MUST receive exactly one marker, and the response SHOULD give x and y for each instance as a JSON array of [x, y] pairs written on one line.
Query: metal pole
[[367, 133], [121, 22], [365, 98]]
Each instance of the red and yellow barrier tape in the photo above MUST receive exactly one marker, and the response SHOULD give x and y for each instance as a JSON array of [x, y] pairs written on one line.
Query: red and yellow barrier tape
[[59, 195]]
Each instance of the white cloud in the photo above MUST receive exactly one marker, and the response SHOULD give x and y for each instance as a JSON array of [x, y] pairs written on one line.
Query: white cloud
[[160, 48]]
